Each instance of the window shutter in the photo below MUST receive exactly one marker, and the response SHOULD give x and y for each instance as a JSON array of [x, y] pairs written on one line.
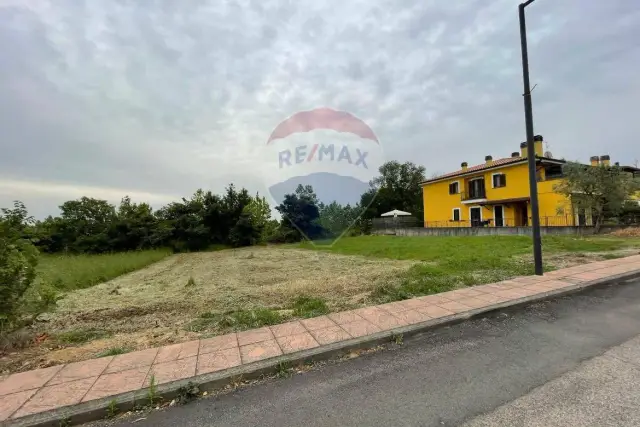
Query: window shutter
[[503, 178]]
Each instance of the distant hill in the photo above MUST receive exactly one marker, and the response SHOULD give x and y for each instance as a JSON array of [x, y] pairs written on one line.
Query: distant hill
[[327, 186]]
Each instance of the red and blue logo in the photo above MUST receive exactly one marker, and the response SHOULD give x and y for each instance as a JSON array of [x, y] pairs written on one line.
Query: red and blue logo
[[333, 151]]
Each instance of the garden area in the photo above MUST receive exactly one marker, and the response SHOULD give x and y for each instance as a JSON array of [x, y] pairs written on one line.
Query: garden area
[[104, 304]]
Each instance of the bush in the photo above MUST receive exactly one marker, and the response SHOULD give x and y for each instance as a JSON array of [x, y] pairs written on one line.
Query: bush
[[18, 260]]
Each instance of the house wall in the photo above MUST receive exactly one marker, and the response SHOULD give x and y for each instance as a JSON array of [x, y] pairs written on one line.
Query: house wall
[[439, 204]]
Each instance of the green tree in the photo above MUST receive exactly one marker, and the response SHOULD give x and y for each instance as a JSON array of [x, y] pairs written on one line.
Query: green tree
[[246, 232], [300, 215], [18, 260], [259, 211], [601, 190], [133, 226], [336, 219], [397, 187], [85, 224]]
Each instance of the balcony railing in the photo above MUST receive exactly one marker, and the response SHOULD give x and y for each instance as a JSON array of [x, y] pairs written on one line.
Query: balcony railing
[[473, 195]]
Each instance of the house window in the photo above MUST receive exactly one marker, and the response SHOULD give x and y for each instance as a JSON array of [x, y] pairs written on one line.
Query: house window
[[454, 188], [553, 171], [499, 180], [456, 214]]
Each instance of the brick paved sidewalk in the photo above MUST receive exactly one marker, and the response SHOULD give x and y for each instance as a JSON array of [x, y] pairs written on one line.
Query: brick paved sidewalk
[[46, 389]]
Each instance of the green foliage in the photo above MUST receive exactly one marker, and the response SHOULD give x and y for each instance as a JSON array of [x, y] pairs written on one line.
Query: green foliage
[[309, 307], [335, 219], [601, 190], [187, 393], [283, 370], [18, 261], [81, 336], [236, 320], [152, 393], [112, 409], [113, 351], [300, 215], [397, 187], [246, 232]]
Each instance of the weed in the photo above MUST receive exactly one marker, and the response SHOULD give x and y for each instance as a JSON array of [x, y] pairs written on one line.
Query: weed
[[398, 339], [187, 393], [112, 409], [612, 256], [113, 351], [237, 320], [309, 307], [190, 283], [65, 422], [81, 336], [283, 370], [152, 393]]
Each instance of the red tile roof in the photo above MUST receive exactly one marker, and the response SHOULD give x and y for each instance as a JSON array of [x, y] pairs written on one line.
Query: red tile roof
[[495, 163]]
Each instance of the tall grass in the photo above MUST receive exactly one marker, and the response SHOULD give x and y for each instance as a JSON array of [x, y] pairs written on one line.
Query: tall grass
[[69, 272]]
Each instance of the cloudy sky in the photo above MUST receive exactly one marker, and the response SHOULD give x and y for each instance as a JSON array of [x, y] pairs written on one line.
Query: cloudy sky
[[157, 98]]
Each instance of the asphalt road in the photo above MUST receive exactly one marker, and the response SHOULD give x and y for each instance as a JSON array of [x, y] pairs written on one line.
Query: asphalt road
[[442, 378]]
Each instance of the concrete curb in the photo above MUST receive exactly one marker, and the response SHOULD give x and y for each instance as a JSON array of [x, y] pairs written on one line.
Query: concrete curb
[[97, 409]]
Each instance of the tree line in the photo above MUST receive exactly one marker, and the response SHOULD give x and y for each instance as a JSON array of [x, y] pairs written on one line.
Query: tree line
[[234, 218]]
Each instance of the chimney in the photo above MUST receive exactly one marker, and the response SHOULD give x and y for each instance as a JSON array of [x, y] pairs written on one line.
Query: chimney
[[515, 154], [488, 160], [595, 160], [464, 165], [537, 145], [605, 160], [617, 163], [523, 149]]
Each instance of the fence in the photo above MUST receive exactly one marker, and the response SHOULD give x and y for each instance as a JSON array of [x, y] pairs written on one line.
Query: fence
[[545, 221], [397, 222]]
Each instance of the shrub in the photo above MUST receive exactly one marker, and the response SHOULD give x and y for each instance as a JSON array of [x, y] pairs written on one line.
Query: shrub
[[18, 260]]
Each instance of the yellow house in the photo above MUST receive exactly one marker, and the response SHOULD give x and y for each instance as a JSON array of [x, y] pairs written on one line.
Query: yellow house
[[496, 193]]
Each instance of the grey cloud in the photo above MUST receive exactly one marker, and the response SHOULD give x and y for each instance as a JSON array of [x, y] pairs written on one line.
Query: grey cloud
[[164, 97]]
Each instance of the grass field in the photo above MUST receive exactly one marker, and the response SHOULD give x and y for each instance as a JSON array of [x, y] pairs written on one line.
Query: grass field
[[69, 272], [452, 262], [187, 296]]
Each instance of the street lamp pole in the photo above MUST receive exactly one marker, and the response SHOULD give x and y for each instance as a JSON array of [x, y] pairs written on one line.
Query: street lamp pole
[[531, 153]]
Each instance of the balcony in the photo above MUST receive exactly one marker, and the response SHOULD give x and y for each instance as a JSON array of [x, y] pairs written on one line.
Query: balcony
[[479, 194]]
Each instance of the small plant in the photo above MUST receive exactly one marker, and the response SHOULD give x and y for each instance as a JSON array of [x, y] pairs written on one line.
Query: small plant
[[309, 307], [190, 283], [237, 320], [283, 370], [152, 393], [112, 409], [113, 351], [187, 393], [65, 422], [398, 339], [81, 336]]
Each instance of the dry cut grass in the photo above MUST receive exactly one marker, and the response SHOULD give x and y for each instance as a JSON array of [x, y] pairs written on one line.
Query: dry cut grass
[[156, 305]]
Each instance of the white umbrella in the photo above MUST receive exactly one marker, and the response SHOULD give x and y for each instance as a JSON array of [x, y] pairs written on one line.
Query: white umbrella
[[395, 213]]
